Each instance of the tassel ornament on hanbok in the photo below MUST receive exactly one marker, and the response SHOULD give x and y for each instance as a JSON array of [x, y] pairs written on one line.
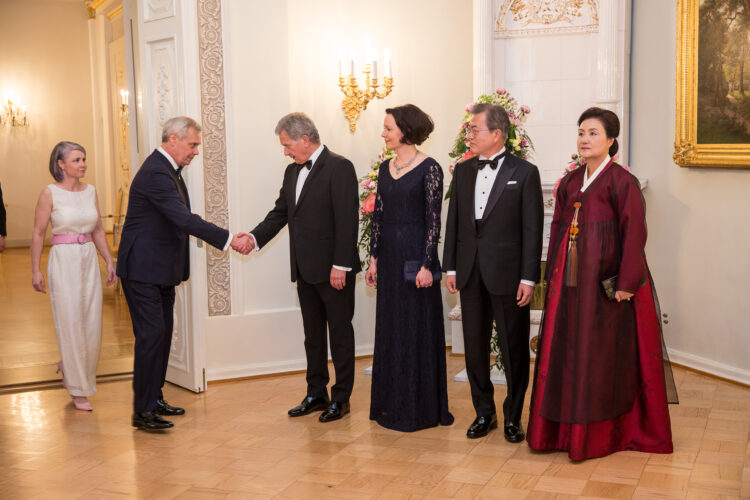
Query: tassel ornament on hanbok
[[571, 262]]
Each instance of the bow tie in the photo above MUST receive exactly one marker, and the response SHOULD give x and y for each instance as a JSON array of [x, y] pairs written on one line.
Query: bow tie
[[307, 165], [492, 163]]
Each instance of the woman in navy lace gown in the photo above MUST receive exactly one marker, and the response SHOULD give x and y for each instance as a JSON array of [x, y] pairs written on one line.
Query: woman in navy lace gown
[[408, 373]]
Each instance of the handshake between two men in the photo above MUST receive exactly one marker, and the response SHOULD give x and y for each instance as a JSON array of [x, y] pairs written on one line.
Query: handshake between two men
[[242, 243]]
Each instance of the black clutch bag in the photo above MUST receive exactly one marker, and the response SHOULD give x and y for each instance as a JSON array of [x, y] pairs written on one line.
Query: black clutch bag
[[610, 287], [412, 267]]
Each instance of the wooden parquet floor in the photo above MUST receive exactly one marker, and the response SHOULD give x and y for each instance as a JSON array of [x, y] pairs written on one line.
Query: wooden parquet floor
[[237, 442], [28, 346]]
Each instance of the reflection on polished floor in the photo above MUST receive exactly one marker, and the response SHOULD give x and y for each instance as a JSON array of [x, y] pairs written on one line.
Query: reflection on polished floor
[[236, 441], [28, 347]]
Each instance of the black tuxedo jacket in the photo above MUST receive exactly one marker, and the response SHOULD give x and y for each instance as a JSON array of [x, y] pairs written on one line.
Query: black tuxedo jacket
[[508, 246], [154, 243], [3, 231], [323, 223]]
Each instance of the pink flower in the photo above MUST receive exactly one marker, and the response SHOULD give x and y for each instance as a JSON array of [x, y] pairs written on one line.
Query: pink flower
[[468, 155], [469, 106], [524, 143], [516, 123], [501, 90], [368, 204], [525, 109]]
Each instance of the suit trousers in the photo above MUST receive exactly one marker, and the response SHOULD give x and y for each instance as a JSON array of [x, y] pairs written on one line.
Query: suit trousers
[[327, 310], [152, 313], [478, 310]]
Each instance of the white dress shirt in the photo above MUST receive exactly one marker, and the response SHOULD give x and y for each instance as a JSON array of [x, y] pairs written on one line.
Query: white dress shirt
[[176, 168], [485, 180], [302, 177]]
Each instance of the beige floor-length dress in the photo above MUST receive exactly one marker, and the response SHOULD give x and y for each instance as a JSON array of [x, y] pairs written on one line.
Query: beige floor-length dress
[[75, 287]]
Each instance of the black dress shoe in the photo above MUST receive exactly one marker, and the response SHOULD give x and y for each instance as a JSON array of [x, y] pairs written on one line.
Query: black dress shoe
[[514, 433], [164, 408], [150, 421], [334, 411], [308, 405], [481, 426]]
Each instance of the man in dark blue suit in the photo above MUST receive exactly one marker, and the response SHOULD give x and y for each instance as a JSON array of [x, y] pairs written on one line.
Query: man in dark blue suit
[[153, 258]]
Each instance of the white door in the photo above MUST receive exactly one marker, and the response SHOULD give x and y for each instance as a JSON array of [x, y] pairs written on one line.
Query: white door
[[163, 35]]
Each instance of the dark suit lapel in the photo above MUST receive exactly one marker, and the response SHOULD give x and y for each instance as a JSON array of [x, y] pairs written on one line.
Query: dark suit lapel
[[316, 168], [506, 172], [181, 189], [471, 187]]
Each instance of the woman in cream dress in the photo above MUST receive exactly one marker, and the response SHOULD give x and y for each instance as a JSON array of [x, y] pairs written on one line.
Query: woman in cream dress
[[73, 269]]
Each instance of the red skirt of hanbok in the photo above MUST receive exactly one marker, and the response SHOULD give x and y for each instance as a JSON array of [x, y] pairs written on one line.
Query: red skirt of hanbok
[[646, 427]]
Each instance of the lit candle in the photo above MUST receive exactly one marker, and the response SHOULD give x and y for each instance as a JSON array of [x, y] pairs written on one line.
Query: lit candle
[[374, 70], [387, 63], [341, 68], [122, 96], [351, 56]]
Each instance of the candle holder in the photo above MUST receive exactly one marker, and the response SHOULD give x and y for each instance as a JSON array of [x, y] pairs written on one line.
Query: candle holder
[[14, 115], [356, 99]]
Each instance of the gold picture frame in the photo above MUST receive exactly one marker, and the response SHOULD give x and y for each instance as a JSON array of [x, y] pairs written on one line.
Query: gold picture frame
[[688, 152]]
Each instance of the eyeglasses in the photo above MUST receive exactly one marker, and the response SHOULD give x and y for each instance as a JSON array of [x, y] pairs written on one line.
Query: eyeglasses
[[472, 131]]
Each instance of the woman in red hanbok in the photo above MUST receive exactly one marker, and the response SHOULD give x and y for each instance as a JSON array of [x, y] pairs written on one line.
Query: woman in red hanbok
[[602, 379]]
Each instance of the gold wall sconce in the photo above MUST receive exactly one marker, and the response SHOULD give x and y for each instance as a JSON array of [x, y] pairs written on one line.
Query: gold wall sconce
[[14, 115], [356, 99]]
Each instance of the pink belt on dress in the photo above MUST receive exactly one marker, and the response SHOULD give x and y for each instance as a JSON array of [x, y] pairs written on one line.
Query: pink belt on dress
[[81, 238]]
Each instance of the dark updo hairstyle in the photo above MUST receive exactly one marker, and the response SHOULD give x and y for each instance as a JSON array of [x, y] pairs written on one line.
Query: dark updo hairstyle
[[609, 121], [60, 152], [415, 125]]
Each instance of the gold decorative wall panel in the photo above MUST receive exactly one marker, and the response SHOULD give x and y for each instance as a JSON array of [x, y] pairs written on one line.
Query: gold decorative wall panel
[[213, 117], [541, 17]]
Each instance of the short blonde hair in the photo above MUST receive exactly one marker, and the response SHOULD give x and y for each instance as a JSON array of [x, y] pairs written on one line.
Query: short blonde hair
[[178, 125]]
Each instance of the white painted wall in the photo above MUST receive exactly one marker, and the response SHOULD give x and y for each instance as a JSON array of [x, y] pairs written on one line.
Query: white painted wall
[[44, 59], [281, 57], [555, 75], [698, 230]]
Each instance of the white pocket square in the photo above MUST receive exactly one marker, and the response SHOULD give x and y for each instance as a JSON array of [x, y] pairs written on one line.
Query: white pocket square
[[512, 182]]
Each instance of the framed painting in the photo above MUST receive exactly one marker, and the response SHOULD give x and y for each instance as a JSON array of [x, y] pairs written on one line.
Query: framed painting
[[713, 84]]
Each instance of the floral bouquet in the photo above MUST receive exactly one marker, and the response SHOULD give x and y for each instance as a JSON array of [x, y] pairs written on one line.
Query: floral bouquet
[[517, 142], [369, 186]]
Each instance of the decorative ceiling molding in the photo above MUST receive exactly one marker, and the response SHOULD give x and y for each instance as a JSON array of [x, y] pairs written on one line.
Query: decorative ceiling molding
[[518, 18]]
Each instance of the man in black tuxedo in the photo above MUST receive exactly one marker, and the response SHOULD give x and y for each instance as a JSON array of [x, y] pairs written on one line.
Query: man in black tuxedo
[[153, 258], [493, 246], [319, 201]]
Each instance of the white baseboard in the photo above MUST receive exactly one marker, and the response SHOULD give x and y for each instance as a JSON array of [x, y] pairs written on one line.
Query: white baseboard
[[709, 366], [286, 366]]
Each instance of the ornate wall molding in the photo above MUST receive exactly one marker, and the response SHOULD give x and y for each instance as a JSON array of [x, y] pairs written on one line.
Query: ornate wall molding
[[213, 117], [521, 18]]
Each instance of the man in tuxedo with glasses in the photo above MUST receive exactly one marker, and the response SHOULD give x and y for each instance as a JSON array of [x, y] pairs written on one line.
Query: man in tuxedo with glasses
[[492, 253]]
